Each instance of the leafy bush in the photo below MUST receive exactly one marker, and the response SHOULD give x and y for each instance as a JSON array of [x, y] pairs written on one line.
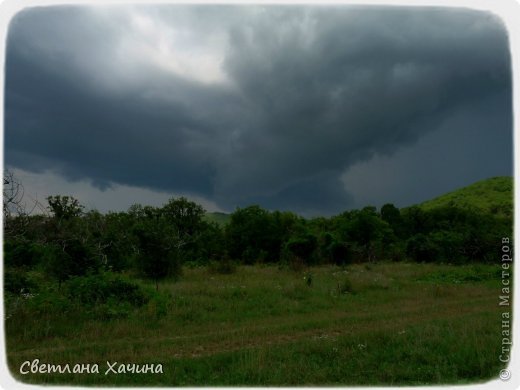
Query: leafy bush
[[339, 253], [158, 249], [301, 247], [21, 253], [48, 302], [105, 288], [16, 282], [422, 248], [68, 258]]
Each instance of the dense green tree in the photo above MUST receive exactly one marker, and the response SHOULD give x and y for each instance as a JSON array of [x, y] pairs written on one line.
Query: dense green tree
[[331, 249], [158, 249], [64, 207], [208, 244], [185, 215], [366, 229], [70, 241], [21, 253], [415, 220], [117, 242], [392, 215], [250, 235], [422, 248], [301, 248], [449, 246], [157, 240], [69, 257]]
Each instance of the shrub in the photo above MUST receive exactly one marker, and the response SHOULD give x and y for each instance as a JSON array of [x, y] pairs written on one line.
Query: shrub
[[48, 302], [421, 248], [301, 247], [158, 256], [158, 305], [70, 258], [16, 282], [339, 252], [21, 253], [105, 288]]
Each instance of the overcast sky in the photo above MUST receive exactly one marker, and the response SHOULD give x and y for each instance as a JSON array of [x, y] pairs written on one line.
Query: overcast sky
[[303, 108]]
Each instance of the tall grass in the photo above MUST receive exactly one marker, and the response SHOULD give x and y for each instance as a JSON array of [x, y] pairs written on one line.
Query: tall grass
[[405, 324]]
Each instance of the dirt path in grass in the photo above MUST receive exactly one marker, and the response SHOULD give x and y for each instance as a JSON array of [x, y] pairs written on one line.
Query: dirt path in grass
[[274, 331], [365, 325]]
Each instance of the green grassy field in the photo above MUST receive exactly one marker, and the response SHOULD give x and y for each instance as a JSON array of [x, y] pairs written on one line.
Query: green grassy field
[[372, 324]]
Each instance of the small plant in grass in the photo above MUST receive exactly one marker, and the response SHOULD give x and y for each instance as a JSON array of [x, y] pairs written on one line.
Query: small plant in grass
[[158, 305], [308, 279]]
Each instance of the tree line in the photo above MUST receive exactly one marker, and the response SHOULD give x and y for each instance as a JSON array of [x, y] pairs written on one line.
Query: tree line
[[155, 242]]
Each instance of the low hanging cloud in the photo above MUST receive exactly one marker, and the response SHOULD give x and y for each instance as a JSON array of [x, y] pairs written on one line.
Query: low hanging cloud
[[241, 104]]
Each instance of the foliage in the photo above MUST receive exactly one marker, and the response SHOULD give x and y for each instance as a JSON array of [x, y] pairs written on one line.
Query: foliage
[[251, 237], [366, 229], [490, 196], [67, 258], [422, 248], [155, 242], [158, 256], [119, 244], [302, 248], [185, 216], [21, 253], [64, 207], [17, 282], [337, 251], [219, 218], [105, 287]]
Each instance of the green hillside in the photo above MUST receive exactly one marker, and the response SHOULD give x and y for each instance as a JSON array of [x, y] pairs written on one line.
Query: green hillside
[[494, 195], [220, 218]]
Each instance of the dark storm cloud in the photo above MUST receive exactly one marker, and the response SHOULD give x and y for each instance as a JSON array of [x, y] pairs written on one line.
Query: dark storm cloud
[[357, 83], [55, 117], [464, 149], [311, 91]]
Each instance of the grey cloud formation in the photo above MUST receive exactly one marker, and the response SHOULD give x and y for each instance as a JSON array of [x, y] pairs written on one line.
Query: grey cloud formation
[[465, 148], [271, 105]]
